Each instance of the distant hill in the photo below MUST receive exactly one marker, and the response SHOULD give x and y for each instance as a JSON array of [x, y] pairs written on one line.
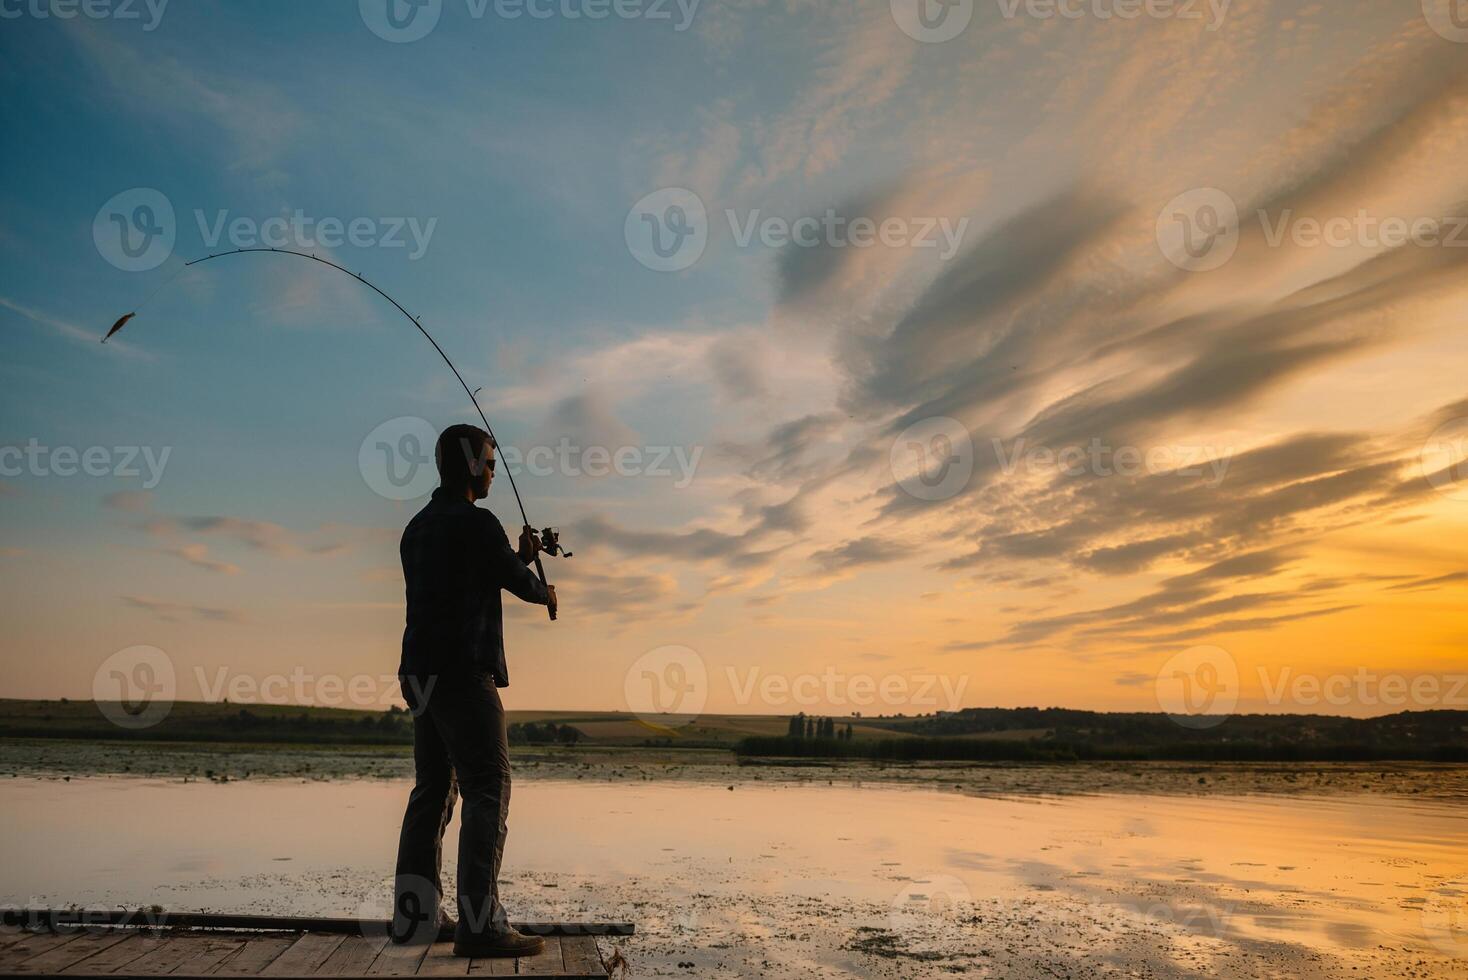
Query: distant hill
[[1040, 734], [194, 721], [973, 734]]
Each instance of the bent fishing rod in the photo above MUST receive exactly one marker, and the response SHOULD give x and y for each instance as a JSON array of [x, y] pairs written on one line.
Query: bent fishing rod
[[550, 537]]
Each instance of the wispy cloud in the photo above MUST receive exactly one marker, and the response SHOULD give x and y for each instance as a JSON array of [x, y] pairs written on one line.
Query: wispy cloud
[[198, 556], [173, 612]]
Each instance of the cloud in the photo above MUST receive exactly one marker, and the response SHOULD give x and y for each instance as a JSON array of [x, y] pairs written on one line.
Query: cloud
[[326, 540], [173, 612], [129, 501], [857, 553], [790, 450], [1430, 584], [198, 556], [736, 364], [587, 419], [620, 592], [699, 545]]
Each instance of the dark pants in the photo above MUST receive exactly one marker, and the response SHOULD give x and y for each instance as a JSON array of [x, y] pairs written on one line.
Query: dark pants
[[458, 731]]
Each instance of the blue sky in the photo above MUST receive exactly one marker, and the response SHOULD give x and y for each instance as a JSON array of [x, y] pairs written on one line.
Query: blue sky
[[1053, 143]]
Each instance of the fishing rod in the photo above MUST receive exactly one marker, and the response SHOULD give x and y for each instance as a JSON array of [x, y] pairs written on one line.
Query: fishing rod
[[552, 545]]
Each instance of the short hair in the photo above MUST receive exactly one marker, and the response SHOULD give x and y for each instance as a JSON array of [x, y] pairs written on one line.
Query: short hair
[[460, 453]]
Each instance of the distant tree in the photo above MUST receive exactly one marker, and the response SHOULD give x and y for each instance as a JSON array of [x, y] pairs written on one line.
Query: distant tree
[[569, 735], [810, 728], [796, 728], [848, 733]]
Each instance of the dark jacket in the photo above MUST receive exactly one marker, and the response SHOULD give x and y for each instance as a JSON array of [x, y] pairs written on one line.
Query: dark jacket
[[456, 559]]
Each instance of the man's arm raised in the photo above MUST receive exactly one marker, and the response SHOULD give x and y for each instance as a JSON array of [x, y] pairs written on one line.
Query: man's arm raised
[[510, 571]]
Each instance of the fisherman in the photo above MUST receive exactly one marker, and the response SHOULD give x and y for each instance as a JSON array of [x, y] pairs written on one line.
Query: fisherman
[[456, 559]]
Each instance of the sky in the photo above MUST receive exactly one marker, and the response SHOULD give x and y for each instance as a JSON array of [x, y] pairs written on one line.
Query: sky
[[872, 357]]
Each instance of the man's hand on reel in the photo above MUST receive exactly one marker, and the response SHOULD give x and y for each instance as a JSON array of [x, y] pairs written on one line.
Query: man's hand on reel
[[529, 544]]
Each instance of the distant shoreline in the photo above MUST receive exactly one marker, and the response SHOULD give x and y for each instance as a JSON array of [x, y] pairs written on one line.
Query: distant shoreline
[[224, 764], [975, 735]]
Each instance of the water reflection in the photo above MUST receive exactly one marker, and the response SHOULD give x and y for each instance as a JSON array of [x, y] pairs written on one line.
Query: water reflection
[[863, 874]]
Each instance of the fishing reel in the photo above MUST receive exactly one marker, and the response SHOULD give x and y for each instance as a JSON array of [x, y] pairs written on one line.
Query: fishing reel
[[550, 542]]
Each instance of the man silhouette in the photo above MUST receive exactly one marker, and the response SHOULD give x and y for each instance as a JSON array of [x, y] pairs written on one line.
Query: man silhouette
[[456, 559]]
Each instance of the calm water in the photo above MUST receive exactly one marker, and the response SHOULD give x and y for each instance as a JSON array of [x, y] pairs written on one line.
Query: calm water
[[707, 869]]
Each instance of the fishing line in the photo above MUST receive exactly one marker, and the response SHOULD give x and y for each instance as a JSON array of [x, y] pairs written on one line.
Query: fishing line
[[118, 325]]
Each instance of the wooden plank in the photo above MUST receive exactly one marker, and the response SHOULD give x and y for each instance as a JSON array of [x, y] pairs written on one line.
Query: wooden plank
[[441, 962], [34, 944], [215, 950], [73, 953], [398, 960], [11, 934], [136, 944], [547, 963], [171, 951], [353, 957], [581, 956], [305, 955], [257, 953], [135, 952]]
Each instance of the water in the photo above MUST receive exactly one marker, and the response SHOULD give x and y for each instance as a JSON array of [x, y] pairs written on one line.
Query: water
[[810, 879]]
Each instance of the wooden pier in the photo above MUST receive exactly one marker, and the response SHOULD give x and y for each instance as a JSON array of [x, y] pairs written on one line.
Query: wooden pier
[[142, 944]]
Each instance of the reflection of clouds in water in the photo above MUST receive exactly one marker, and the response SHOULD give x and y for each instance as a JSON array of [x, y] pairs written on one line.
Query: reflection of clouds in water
[[973, 860], [1235, 884], [1352, 935], [725, 930], [194, 862]]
